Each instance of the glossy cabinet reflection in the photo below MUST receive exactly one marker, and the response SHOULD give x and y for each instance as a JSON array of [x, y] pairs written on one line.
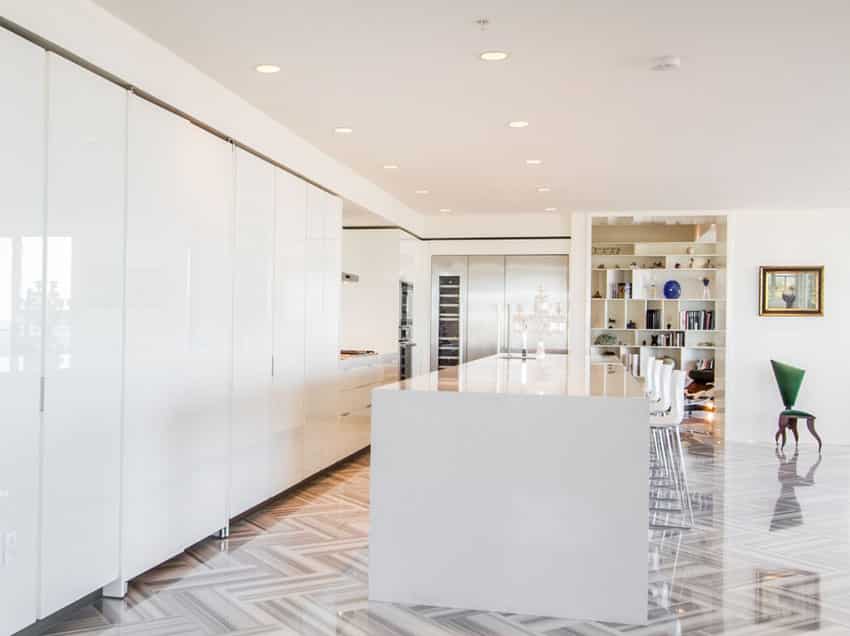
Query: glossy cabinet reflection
[[86, 123], [21, 310], [256, 448], [179, 329]]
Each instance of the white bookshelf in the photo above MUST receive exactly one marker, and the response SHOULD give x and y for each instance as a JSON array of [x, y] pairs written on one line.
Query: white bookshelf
[[628, 280]]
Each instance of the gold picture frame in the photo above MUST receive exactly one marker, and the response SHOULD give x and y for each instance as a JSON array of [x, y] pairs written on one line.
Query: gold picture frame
[[795, 290]]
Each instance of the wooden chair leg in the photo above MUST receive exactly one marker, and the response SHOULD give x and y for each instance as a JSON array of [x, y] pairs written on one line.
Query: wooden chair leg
[[782, 425], [792, 424], [810, 424]]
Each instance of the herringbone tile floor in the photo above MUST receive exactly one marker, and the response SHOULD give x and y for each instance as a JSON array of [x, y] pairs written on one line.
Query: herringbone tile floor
[[770, 555]]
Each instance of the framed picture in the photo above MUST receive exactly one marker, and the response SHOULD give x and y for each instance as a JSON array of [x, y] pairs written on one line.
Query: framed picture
[[791, 291]]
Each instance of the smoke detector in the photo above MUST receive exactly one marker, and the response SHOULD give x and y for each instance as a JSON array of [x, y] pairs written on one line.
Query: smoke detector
[[666, 63]]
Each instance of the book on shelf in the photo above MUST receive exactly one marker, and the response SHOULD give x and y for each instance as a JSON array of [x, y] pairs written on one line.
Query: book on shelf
[[653, 319], [697, 319]]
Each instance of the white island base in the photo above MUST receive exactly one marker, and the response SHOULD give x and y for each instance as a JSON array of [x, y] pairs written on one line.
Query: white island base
[[494, 487]]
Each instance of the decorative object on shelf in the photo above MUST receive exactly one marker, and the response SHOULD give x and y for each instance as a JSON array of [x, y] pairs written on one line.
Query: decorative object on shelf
[[644, 343], [672, 290], [658, 264], [791, 291], [597, 294], [601, 266], [631, 325], [623, 290], [690, 250], [691, 262], [605, 340], [612, 322], [709, 264], [669, 326], [633, 265], [653, 340], [706, 281], [790, 379]]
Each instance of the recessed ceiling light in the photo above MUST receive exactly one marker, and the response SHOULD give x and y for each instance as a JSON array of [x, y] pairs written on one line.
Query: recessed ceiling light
[[543, 189], [445, 209], [343, 130], [390, 166], [666, 63], [423, 192], [551, 210], [494, 56], [534, 162], [517, 124], [267, 68]]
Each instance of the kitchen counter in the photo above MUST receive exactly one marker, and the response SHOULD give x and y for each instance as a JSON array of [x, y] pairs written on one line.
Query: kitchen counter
[[351, 361], [499, 485], [547, 376]]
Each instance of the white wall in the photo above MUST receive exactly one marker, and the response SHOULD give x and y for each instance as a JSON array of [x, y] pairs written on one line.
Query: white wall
[[489, 225], [819, 345], [99, 37], [370, 307]]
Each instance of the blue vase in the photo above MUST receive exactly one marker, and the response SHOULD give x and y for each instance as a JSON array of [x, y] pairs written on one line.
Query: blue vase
[[672, 290]]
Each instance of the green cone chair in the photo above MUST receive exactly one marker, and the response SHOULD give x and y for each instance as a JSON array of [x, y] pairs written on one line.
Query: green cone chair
[[790, 379]]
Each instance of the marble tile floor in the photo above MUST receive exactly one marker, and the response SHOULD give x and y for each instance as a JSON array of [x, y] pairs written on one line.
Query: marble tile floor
[[770, 554]]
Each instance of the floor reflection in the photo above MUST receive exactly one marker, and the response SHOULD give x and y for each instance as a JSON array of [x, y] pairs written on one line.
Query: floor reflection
[[299, 565], [787, 512]]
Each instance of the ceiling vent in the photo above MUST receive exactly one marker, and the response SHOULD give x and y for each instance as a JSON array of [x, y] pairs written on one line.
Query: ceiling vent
[[666, 63]]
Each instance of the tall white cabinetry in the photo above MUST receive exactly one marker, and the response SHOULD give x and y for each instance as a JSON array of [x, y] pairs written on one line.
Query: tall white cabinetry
[[324, 442], [22, 76], [179, 336], [290, 328], [83, 335], [256, 448], [169, 334]]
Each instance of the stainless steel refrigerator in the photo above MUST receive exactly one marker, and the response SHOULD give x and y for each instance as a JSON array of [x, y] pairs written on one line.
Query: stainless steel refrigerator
[[483, 305]]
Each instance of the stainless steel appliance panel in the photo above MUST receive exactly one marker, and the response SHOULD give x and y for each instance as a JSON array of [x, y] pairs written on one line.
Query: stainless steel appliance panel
[[525, 278], [485, 305]]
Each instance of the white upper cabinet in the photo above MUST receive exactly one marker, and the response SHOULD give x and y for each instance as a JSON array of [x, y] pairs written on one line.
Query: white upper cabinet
[[86, 152], [179, 336], [256, 445], [290, 327], [21, 279]]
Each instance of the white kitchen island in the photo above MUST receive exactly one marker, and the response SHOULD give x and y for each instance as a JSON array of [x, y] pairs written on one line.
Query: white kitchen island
[[495, 486]]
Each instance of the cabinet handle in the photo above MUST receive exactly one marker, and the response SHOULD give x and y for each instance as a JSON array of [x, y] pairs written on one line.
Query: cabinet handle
[[41, 395]]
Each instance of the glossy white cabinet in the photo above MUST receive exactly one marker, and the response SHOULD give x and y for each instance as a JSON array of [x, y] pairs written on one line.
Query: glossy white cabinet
[[257, 446], [326, 438], [290, 328], [21, 230], [86, 150], [179, 336]]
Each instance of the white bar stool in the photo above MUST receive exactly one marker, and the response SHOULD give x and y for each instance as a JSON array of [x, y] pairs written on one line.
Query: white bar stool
[[667, 441]]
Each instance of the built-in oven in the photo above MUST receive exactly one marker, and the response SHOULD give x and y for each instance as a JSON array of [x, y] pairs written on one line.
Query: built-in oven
[[405, 331]]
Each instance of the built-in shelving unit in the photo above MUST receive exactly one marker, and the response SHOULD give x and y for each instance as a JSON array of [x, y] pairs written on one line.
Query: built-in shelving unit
[[630, 317]]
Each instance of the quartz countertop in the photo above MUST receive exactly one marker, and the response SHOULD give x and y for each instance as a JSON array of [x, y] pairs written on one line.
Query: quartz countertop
[[546, 376]]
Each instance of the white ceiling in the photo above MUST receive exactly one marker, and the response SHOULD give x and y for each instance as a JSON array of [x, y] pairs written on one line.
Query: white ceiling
[[758, 115]]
